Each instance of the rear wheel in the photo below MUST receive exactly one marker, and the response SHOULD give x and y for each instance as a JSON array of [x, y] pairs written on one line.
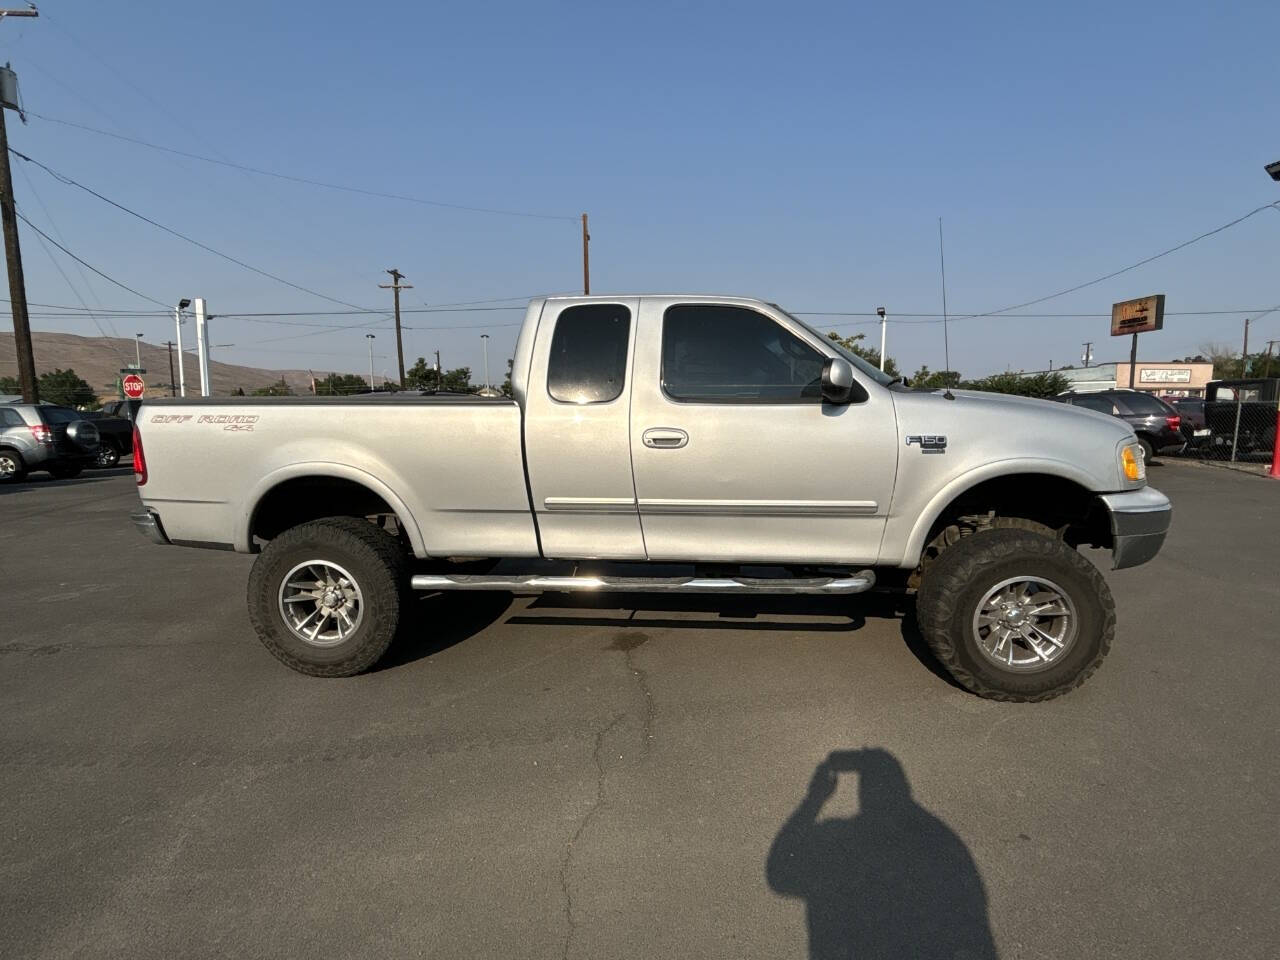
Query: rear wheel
[[12, 469], [1014, 615], [326, 596], [108, 455]]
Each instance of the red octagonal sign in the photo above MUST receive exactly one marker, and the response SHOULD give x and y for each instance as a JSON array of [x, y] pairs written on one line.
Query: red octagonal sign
[[133, 386]]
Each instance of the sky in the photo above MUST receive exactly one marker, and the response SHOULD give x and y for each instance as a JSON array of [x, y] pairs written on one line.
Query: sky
[[802, 153]]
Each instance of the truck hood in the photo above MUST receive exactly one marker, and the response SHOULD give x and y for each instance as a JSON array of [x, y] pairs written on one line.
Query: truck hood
[[997, 403]]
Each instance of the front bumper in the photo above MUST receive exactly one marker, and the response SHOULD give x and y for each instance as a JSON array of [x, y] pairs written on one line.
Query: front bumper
[[148, 524], [1139, 523]]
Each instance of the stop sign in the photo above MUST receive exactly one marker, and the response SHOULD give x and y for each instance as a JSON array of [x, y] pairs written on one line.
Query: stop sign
[[133, 386]]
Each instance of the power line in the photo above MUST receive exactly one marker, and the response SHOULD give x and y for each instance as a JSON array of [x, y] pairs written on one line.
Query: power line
[[84, 263], [181, 236], [307, 180]]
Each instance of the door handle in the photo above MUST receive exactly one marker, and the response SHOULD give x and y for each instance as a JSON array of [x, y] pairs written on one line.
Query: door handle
[[664, 438]]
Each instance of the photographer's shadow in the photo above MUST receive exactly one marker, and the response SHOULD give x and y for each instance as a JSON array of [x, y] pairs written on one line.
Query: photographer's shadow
[[893, 881]]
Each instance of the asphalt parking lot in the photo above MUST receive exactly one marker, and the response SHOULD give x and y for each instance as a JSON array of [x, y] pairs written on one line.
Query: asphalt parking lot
[[631, 778]]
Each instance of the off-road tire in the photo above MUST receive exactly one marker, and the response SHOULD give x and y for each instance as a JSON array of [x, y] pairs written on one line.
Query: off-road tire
[[17, 469], [375, 560], [956, 582]]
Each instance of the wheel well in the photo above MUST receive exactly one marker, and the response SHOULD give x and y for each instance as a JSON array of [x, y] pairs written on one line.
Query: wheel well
[[301, 499], [1061, 505]]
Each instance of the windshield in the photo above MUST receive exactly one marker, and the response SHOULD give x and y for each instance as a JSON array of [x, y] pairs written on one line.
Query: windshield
[[879, 376]]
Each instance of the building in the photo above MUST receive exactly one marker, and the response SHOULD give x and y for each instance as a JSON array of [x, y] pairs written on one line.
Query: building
[[1162, 379]]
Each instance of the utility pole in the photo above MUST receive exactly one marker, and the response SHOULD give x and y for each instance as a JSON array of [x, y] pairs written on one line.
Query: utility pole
[[439, 373], [1088, 353], [13, 253], [1267, 370], [173, 387], [942, 262], [883, 325], [485, 338], [1244, 354], [586, 258], [370, 338], [395, 286]]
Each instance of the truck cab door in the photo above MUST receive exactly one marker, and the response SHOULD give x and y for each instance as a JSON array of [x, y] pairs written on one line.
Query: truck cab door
[[577, 430], [737, 458]]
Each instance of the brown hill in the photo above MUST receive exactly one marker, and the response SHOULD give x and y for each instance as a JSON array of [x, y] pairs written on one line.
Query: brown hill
[[98, 360]]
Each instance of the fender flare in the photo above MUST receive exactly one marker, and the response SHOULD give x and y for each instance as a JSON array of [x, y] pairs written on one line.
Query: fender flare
[[971, 478], [324, 468]]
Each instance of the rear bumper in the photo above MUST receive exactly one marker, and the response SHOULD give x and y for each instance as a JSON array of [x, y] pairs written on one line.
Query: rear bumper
[[148, 524], [1139, 523]]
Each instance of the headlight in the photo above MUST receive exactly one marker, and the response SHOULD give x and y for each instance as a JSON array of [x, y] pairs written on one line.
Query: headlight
[[1132, 464]]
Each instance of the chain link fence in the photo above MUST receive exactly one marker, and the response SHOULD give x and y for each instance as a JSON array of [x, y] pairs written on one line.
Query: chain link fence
[[1236, 424]]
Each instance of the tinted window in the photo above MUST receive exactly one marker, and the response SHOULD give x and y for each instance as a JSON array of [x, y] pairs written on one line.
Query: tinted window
[[1145, 405], [589, 353], [59, 415], [721, 354], [1101, 404]]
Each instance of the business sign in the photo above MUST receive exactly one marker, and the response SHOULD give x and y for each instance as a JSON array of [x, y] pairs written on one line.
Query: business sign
[[1137, 316], [1150, 375]]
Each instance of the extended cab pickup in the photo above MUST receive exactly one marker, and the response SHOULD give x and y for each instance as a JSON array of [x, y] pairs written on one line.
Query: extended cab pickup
[[715, 432]]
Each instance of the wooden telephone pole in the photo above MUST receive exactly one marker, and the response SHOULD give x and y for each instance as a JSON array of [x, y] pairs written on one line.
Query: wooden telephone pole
[[13, 252], [395, 287], [586, 258]]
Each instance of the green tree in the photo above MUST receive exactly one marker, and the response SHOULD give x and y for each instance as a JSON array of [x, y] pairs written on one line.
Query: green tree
[[342, 384], [423, 377], [934, 379], [506, 384], [1042, 385], [9, 385], [872, 357], [65, 388], [280, 389]]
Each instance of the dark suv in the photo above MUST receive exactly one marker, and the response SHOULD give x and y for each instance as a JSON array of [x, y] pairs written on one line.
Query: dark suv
[[39, 436], [1157, 424]]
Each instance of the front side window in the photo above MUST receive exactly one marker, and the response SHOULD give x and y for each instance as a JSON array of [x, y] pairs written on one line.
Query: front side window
[[589, 353], [714, 353]]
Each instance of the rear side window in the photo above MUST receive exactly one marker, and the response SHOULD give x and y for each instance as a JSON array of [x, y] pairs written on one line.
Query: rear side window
[[1101, 404], [589, 353], [59, 415], [1145, 405], [721, 354], [11, 418]]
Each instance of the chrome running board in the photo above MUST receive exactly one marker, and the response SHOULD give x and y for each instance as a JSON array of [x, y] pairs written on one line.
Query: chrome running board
[[858, 583]]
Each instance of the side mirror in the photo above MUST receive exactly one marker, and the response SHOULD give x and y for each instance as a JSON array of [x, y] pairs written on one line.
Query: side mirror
[[838, 385]]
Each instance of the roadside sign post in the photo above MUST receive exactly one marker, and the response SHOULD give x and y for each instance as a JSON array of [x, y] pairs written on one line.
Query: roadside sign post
[[1133, 317]]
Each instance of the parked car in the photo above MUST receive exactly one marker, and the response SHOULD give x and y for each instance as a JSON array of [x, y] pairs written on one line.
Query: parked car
[[41, 436], [115, 428], [719, 433], [1157, 425], [1242, 413], [1194, 426]]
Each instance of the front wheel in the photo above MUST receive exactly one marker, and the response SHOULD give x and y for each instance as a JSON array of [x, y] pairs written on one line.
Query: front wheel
[[108, 455], [1016, 616], [325, 596]]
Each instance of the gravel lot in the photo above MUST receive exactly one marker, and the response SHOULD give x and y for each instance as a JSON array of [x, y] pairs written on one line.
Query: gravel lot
[[630, 778]]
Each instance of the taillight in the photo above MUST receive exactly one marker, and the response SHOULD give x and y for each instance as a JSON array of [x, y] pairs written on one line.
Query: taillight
[[139, 458], [1173, 422], [43, 433]]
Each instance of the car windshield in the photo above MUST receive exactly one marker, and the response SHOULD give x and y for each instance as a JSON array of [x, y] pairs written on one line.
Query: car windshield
[[879, 376]]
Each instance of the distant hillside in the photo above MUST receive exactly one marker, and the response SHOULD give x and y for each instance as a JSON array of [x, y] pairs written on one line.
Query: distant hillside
[[97, 360]]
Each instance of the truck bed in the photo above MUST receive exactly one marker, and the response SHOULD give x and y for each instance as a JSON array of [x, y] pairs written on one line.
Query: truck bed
[[450, 467]]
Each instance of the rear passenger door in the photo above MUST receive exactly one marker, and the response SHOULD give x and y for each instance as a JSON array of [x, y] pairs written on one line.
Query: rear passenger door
[[577, 430]]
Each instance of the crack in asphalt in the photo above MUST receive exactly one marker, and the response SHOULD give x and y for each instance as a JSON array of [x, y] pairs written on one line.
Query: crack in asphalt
[[642, 681], [566, 862]]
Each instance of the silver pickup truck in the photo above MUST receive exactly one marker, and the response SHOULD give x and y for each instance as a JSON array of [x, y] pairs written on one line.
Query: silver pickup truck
[[667, 444]]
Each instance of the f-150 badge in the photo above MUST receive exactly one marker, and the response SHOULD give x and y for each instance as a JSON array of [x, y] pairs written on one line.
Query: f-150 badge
[[928, 444]]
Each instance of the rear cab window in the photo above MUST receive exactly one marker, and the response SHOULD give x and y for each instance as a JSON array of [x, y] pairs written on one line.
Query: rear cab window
[[588, 362]]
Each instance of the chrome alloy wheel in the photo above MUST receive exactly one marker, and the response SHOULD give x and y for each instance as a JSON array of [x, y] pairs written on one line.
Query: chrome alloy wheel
[[8, 466], [1025, 624], [321, 603]]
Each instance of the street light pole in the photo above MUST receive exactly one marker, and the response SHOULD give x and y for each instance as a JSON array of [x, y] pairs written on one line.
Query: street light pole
[[485, 337], [137, 348], [370, 338], [177, 326]]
